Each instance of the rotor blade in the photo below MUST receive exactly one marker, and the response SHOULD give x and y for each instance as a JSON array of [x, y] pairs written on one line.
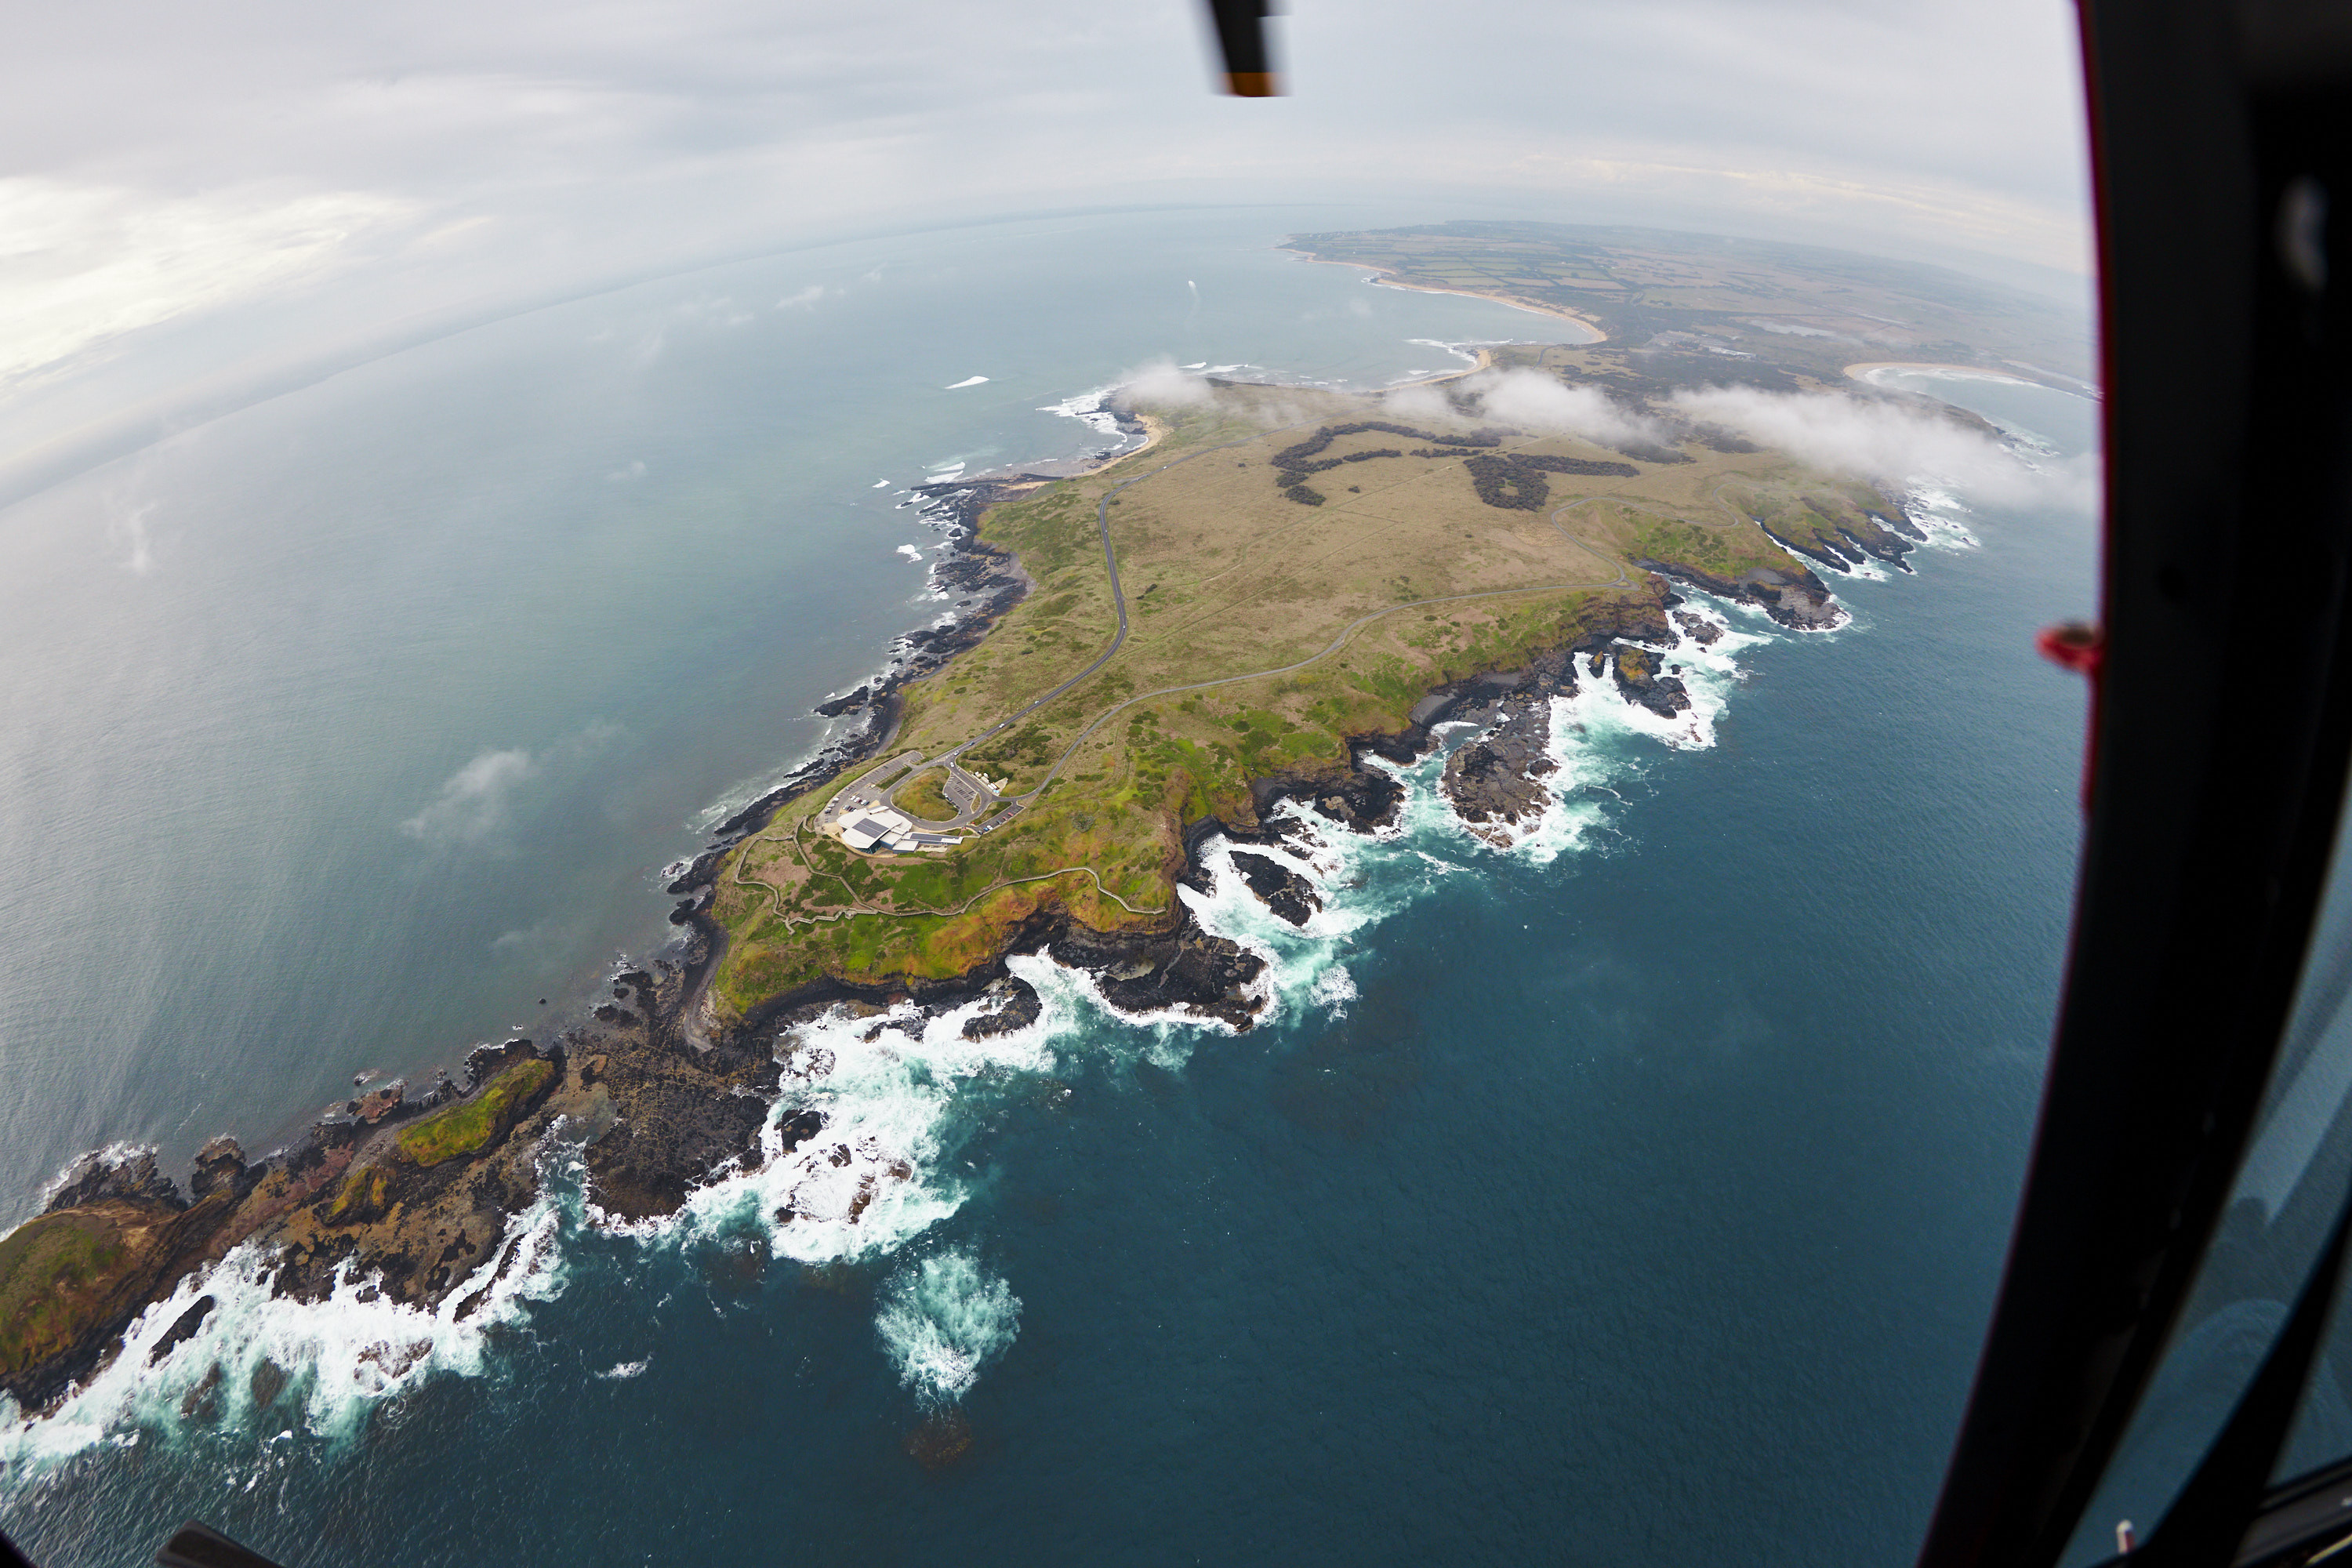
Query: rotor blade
[[197, 1546], [1241, 39]]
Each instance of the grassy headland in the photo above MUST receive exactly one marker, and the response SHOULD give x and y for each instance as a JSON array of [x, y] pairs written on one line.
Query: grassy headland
[[1299, 567]]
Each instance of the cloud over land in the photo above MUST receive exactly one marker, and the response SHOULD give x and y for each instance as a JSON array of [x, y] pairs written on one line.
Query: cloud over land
[[1892, 442]]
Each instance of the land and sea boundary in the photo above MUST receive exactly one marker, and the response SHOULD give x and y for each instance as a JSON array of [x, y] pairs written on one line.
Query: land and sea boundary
[[1284, 595]]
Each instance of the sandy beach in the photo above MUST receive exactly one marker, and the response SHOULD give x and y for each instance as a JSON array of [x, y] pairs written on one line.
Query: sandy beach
[[1863, 372], [1385, 279]]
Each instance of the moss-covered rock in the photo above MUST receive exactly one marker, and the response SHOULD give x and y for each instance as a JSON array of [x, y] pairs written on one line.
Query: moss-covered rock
[[476, 1122], [364, 1197], [71, 1279]]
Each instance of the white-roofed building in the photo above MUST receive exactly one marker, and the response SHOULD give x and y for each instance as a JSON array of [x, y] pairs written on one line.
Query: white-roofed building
[[873, 827]]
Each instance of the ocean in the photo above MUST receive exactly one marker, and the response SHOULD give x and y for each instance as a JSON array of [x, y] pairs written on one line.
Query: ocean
[[1635, 1191]]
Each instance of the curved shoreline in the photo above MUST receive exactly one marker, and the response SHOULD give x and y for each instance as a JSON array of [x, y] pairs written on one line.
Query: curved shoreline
[[1381, 277], [1861, 373]]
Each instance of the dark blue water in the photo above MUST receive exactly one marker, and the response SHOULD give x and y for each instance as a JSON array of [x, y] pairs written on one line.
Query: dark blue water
[[1644, 1206]]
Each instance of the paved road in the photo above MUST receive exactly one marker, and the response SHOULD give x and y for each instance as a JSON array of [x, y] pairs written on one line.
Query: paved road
[[1117, 599], [860, 793]]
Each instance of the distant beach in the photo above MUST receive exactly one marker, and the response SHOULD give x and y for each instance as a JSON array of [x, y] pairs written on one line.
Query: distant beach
[[1864, 372], [1386, 279]]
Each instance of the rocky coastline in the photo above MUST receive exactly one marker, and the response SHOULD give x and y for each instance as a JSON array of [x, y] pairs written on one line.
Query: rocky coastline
[[413, 1196]]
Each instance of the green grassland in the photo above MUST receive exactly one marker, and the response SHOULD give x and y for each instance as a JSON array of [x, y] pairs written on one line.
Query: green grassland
[[1400, 579], [463, 1127], [61, 1273], [923, 797]]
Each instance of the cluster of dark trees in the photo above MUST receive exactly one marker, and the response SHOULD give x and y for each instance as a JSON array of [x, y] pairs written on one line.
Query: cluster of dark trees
[[1293, 464], [1516, 482], [1300, 458], [1722, 441]]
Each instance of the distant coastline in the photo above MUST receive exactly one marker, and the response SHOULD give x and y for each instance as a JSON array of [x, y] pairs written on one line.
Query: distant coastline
[[1389, 280], [1863, 373]]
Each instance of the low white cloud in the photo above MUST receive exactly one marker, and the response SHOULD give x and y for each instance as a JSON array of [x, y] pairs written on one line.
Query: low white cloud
[[141, 562], [1531, 400], [80, 265], [1159, 383], [547, 941], [1420, 401], [474, 801], [128, 528], [1891, 443], [803, 300]]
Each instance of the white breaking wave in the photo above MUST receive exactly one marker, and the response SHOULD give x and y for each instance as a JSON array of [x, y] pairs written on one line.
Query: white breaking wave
[[890, 1086], [324, 1363], [1941, 515], [942, 1318], [1458, 351], [967, 380], [1087, 409]]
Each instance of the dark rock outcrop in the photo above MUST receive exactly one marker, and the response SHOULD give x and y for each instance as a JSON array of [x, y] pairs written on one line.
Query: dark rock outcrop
[[681, 1108], [1186, 969], [183, 1327], [1496, 779], [1639, 678], [107, 1173], [1699, 629], [1013, 1005], [1798, 600], [1289, 895]]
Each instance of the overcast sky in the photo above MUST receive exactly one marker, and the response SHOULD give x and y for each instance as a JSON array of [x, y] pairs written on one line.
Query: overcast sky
[[163, 161]]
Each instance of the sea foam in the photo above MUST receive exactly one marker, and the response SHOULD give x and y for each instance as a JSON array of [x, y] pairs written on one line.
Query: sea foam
[[942, 1318], [323, 1364]]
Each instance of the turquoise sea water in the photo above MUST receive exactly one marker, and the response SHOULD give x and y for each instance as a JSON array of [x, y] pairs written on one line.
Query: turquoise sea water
[[1637, 1194]]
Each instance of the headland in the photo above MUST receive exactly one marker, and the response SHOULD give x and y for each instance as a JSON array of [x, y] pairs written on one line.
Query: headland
[[1283, 589]]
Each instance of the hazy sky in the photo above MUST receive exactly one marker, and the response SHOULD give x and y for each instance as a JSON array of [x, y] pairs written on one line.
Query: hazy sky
[[364, 164]]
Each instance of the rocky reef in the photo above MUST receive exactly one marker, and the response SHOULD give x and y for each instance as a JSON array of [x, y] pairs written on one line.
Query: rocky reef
[[1496, 780], [1802, 601], [413, 1195], [1641, 679]]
